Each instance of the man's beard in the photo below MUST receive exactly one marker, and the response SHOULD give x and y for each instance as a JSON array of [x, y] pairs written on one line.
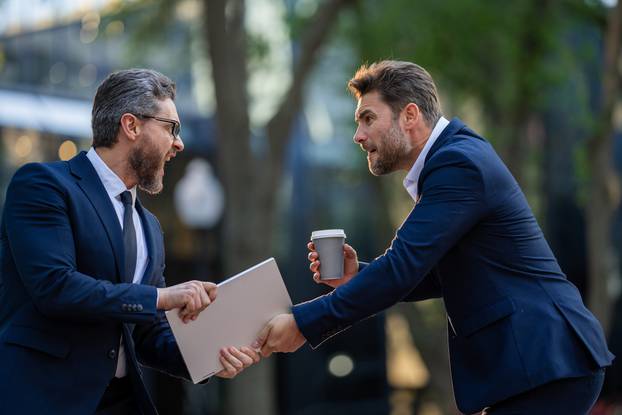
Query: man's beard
[[391, 149], [146, 162]]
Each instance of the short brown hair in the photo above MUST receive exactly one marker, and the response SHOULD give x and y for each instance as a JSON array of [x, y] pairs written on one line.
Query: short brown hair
[[399, 83]]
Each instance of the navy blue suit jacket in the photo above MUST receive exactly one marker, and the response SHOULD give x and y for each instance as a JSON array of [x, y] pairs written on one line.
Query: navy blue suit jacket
[[514, 320], [63, 305]]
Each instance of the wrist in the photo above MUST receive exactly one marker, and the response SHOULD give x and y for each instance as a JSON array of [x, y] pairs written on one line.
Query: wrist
[[160, 296]]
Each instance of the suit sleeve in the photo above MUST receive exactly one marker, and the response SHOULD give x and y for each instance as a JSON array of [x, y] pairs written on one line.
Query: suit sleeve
[[453, 201], [429, 287], [41, 242]]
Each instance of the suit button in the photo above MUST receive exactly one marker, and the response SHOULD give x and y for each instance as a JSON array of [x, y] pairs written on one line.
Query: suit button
[[112, 353], [140, 307]]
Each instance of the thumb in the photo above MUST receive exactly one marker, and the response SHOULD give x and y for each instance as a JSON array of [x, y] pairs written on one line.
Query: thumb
[[262, 337], [211, 289]]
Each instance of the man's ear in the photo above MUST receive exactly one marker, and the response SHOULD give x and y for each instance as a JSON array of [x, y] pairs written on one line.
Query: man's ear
[[130, 126], [411, 115]]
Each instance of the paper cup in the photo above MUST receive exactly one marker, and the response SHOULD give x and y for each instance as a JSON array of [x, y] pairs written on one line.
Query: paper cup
[[329, 246]]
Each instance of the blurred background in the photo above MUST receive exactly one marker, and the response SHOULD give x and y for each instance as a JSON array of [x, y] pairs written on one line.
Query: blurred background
[[267, 123]]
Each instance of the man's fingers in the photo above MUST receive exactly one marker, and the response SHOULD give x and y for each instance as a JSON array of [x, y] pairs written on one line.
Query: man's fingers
[[200, 298], [254, 355], [197, 286], [349, 251], [314, 266], [242, 357], [191, 304], [195, 302], [229, 371], [185, 315], [311, 246], [191, 298], [233, 360], [312, 256], [225, 360]]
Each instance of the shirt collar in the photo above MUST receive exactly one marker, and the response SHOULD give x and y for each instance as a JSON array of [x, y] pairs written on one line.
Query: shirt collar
[[112, 183], [412, 178]]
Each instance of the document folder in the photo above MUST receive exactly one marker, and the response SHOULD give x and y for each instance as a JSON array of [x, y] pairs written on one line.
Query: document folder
[[244, 304]]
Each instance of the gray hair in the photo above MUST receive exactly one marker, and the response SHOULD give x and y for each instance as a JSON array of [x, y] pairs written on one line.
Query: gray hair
[[399, 83], [134, 91]]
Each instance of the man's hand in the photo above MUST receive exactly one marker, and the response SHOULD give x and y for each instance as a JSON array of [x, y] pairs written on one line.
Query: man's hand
[[190, 297], [281, 334], [350, 266], [235, 360]]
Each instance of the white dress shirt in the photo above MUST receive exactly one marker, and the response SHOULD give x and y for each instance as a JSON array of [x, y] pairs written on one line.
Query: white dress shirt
[[412, 178], [114, 187]]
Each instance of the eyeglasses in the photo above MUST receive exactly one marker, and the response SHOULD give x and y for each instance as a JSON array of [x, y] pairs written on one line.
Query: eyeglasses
[[175, 125]]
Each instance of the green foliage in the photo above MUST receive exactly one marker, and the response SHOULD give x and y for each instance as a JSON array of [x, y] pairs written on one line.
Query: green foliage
[[507, 55], [502, 64], [258, 49], [156, 22]]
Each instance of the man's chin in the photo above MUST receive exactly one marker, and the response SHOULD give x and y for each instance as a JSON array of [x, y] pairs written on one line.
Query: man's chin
[[374, 172], [151, 190], [379, 170], [153, 187]]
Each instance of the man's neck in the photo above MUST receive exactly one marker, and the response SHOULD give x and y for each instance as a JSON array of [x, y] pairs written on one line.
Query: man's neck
[[418, 140], [117, 164]]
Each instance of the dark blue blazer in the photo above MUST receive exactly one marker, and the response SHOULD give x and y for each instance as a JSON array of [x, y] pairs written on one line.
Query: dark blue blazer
[[63, 305], [514, 320]]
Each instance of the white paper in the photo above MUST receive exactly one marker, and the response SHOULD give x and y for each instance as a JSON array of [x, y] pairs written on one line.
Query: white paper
[[244, 304]]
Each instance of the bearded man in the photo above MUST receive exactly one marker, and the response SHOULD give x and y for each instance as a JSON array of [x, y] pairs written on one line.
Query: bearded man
[[82, 290], [520, 339]]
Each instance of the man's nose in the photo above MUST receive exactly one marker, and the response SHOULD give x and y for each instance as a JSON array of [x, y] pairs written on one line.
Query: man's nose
[[178, 144], [359, 137]]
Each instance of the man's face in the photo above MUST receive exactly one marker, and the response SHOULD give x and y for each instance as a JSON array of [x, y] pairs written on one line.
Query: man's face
[[380, 135], [155, 147]]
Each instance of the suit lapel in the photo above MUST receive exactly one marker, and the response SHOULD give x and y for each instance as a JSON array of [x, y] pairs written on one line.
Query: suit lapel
[[91, 185], [149, 240]]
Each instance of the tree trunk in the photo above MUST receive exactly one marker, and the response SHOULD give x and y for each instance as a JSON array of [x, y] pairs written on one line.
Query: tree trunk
[[241, 240], [251, 184], [604, 187]]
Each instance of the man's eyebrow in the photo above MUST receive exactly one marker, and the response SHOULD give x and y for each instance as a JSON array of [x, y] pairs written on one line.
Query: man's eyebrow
[[362, 114]]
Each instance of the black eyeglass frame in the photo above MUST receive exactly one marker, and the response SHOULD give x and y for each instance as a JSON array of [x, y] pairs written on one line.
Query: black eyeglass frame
[[175, 127]]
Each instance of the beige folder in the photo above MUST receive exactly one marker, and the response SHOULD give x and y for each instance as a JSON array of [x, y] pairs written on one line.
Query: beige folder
[[244, 304]]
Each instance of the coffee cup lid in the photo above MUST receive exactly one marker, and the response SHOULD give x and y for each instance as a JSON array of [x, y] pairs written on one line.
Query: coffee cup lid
[[328, 233]]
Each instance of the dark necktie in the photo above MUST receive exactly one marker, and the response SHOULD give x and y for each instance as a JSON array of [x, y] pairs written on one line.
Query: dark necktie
[[129, 237]]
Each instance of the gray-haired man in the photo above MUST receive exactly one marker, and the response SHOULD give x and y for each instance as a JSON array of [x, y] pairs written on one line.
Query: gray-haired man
[[82, 290]]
